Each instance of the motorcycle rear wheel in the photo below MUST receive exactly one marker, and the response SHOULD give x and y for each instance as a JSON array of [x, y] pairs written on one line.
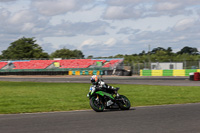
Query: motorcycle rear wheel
[[96, 104], [125, 104]]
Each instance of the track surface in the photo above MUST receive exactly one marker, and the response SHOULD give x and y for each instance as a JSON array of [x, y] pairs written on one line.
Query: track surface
[[170, 81], [155, 119]]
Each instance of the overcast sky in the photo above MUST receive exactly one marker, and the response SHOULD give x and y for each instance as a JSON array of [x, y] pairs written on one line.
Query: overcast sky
[[102, 27]]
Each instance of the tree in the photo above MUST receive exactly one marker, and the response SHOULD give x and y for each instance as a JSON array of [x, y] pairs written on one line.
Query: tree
[[78, 54], [188, 50], [157, 49], [90, 57], [119, 56], [66, 53], [169, 51], [24, 48], [142, 53]]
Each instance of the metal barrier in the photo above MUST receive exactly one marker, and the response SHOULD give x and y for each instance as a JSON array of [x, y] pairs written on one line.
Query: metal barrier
[[181, 72]]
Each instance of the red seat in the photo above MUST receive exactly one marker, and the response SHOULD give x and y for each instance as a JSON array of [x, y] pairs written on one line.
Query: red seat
[[2, 64], [33, 64], [112, 63]]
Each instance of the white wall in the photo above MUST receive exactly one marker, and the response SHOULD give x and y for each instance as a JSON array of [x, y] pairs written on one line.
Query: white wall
[[166, 65]]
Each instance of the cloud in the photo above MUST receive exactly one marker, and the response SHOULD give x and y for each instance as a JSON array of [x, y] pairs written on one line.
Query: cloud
[[104, 50], [119, 12], [57, 7], [48, 47], [138, 9], [125, 2], [20, 23], [67, 46], [167, 6], [88, 42], [23, 22], [7, 0], [4, 15], [84, 28], [54, 7], [128, 30], [110, 42], [184, 24], [22, 17]]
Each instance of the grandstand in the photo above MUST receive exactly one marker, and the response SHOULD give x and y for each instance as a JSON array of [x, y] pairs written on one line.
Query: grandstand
[[78, 63], [3, 64], [61, 65], [70, 63]]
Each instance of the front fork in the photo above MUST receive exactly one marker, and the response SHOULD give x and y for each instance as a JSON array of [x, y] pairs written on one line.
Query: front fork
[[97, 99], [117, 94]]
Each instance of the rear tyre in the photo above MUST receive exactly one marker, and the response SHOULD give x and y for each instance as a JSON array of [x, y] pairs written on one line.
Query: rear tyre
[[124, 103], [96, 104]]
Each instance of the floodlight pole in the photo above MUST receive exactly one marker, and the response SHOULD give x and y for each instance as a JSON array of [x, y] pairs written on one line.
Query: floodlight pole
[[149, 56]]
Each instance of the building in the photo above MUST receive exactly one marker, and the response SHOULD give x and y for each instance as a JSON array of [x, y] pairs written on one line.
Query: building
[[166, 65]]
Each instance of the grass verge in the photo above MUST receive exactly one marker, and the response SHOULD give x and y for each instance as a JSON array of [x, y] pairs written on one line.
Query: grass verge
[[21, 97]]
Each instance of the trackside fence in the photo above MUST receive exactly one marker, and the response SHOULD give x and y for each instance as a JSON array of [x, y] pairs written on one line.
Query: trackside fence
[[166, 67], [63, 71]]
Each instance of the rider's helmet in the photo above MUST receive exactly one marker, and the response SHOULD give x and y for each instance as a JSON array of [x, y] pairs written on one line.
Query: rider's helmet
[[94, 80]]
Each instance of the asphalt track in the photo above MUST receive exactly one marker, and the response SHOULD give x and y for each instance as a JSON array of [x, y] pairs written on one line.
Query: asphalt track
[[182, 118], [155, 119], [169, 81]]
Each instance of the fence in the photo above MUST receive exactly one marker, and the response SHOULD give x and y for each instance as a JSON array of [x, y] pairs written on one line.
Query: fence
[[137, 66], [61, 71]]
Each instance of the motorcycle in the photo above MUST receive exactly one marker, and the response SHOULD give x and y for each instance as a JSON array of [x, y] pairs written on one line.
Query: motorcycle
[[107, 99]]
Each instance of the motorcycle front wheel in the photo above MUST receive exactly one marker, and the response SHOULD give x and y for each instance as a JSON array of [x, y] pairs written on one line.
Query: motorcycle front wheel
[[97, 104], [124, 103]]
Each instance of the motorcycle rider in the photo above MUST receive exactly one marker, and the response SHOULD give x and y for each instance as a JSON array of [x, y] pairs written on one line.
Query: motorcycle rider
[[100, 84]]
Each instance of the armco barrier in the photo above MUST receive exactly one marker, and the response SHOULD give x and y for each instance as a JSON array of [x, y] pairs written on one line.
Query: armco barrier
[[182, 72]]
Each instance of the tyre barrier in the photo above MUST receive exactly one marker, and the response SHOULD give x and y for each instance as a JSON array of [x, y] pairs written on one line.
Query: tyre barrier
[[195, 76]]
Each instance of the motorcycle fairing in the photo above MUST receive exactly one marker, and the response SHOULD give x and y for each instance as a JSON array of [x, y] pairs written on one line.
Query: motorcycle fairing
[[102, 93]]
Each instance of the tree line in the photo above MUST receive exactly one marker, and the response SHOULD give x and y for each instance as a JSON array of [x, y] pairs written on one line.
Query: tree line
[[163, 55], [27, 48]]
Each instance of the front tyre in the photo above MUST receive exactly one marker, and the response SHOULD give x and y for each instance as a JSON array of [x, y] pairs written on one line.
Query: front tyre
[[124, 103], [97, 104]]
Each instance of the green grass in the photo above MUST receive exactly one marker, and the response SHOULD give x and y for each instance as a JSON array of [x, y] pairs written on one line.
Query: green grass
[[21, 97]]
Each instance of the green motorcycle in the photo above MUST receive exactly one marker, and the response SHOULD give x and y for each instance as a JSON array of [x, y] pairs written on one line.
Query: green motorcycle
[[101, 99]]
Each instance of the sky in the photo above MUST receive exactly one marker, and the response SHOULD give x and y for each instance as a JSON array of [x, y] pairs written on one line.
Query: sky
[[102, 27]]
